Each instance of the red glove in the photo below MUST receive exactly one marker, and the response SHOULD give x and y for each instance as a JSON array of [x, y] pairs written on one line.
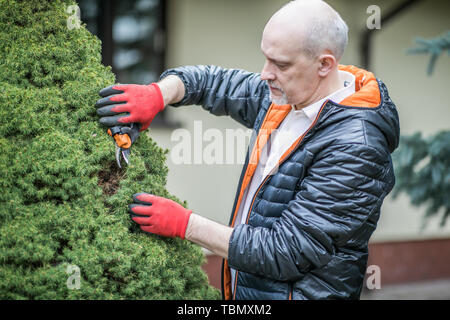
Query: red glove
[[127, 103], [159, 215]]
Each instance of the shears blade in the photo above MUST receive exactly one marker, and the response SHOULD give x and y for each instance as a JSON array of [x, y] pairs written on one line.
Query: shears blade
[[118, 155], [123, 139]]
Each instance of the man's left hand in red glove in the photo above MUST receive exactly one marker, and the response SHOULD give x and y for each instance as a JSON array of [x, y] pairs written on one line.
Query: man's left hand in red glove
[[167, 218]]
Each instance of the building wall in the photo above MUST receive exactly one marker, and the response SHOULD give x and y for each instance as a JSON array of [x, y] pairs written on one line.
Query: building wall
[[421, 100], [228, 33]]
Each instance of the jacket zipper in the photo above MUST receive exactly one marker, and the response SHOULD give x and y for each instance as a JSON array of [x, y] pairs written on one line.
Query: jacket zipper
[[265, 180]]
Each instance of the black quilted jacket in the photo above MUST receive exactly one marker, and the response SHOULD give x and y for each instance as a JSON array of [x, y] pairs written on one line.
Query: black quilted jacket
[[310, 223]]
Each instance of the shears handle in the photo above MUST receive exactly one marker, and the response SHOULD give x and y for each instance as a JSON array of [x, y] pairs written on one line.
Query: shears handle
[[124, 136]]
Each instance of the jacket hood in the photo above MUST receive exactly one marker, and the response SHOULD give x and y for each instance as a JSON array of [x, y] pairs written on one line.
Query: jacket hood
[[372, 94]]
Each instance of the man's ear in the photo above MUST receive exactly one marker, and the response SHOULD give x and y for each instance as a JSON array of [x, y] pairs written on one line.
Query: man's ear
[[327, 63]]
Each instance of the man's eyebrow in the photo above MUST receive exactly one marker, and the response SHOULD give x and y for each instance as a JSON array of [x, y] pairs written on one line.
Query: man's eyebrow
[[278, 61]]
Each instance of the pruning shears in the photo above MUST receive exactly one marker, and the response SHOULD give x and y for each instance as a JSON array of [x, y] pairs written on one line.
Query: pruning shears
[[124, 137]]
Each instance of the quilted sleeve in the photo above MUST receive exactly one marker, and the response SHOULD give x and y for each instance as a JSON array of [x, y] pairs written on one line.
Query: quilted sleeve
[[337, 206], [232, 92]]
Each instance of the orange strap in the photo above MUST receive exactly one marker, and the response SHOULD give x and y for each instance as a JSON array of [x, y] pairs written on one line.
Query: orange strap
[[275, 115]]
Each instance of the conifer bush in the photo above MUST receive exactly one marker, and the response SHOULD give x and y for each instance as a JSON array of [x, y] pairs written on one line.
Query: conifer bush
[[64, 200]]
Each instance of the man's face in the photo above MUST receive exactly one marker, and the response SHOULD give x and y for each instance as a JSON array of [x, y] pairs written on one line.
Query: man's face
[[291, 75]]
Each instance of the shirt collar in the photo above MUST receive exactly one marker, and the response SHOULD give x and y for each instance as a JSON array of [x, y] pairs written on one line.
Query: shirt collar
[[312, 110]]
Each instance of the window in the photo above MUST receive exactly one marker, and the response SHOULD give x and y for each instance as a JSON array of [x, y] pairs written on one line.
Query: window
[[133, 39]]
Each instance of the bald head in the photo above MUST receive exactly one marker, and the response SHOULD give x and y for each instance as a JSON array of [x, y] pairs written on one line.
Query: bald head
[[311, 26]]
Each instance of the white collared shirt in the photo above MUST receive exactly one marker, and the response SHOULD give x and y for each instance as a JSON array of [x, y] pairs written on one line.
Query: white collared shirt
[[291, 128]]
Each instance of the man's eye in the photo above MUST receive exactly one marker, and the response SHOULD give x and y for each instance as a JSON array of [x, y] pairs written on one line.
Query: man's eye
[[282, 66]]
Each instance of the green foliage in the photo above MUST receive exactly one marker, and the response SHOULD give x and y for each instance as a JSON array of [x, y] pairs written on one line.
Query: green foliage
[[63, 200], [435, 47], [422, 171], [422, 165]]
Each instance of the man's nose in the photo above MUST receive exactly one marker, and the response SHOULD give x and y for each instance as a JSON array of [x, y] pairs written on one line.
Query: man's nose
[[266, 73]]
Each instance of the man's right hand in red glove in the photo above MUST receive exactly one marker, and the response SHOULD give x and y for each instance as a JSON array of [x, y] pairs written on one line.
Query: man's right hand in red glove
[[128, 103]]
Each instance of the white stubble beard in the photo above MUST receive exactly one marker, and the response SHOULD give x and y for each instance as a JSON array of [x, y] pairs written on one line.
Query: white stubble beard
[[278, 100]]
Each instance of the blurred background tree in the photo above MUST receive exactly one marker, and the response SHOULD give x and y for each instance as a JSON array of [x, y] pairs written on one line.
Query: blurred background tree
[[422, 164]]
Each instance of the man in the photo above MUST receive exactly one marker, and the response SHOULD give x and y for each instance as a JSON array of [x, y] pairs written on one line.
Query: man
[[301, 220]]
